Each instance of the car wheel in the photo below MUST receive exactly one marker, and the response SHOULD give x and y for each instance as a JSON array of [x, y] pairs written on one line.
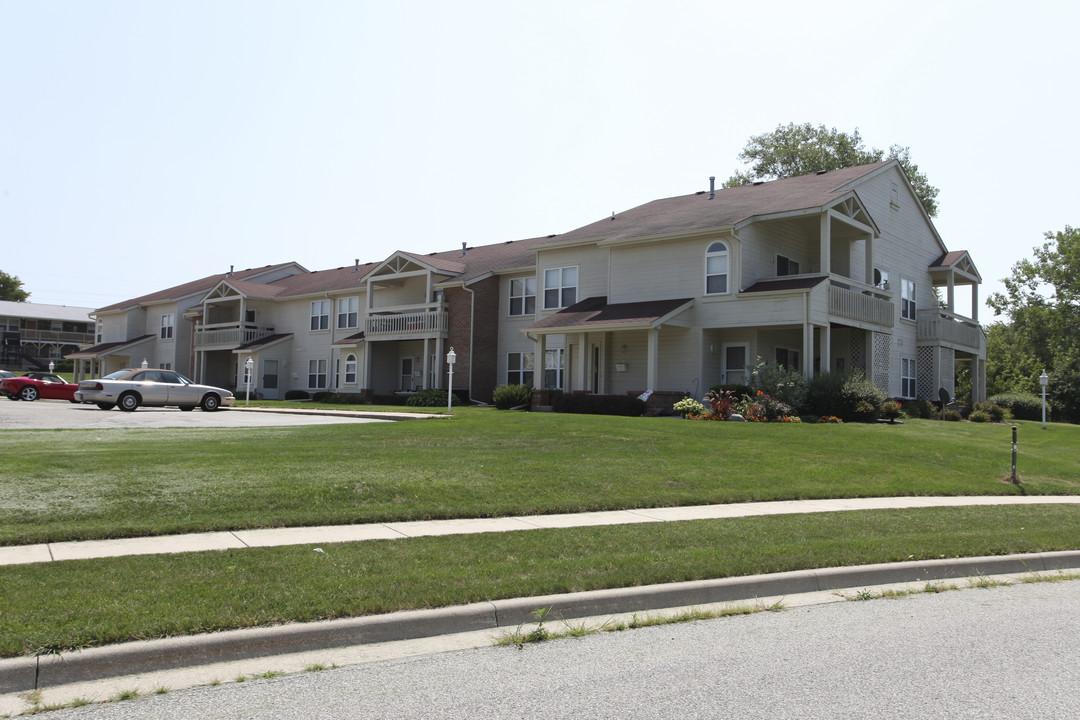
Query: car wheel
[[29, 393], [187, 408], [128, 401], [105, 406], [210, 402]]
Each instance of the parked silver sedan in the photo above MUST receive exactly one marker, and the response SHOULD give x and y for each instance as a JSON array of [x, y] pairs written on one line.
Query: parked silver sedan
[[132, 387]]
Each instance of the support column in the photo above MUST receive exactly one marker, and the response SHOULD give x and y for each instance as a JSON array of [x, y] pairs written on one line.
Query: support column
[[425, 383], [653, 359], [975, 302], [869, 260], [539, 351], [950, 298], [826, 245], [440, 354], [365, 377], [826, 348], [580, 380]]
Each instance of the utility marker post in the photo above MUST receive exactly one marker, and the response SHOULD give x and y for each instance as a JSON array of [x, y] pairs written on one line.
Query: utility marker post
[[1015, 480]]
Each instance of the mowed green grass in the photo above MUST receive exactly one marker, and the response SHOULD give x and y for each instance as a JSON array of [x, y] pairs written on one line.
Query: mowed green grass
[[64, 485], [57, 606]]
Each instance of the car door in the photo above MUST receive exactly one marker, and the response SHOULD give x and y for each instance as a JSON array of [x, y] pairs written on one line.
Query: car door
[[148, 384], [180, 393]]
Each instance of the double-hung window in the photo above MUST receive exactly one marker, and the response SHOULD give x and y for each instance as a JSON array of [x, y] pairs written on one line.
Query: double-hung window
[[716, 269], [523, 296], [786, 266], [320, 315], [553, 369], [907, 378], [907, 299], [167, 327], [316, 379], [560, 287], [350, 369], [519, 369], [348, 312]]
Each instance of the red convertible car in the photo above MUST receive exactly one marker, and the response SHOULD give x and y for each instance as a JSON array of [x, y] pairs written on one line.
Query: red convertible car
[[38, 385]]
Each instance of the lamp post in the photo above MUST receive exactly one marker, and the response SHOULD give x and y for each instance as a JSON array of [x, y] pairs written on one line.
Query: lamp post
[[144, 364], [248, 364], [51, 365], [451, 358], [1044, 380]]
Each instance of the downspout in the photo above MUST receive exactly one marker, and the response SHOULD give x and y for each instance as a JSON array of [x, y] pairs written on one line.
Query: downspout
[[472, 336]]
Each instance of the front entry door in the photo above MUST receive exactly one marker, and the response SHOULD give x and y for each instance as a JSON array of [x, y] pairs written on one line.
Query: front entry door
[[270, 379], [407, 373], [734, 370]]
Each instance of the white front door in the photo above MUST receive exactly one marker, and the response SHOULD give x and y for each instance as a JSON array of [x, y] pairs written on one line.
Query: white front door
[[734, 370]]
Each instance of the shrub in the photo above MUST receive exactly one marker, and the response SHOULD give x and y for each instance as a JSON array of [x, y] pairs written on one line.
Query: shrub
[[688, 406], [776, 381], [823, 395], [734, 388], [994, 413], [890, 410], [863, 395], [761, 406], [865, 412], [952, 416], [848, 396], [624, 405], [296, 395], [427, 398], [978, 416], [508, 396], [921, 408], [1023, 406]]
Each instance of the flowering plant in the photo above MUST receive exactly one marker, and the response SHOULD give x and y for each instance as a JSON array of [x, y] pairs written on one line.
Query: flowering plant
[[688, 407]]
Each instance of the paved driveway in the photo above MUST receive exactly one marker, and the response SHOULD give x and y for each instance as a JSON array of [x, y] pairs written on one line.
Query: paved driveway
[[56, 414]]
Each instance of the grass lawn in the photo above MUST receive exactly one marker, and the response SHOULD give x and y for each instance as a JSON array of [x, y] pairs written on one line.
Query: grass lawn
[[63, 485], [71, 604]]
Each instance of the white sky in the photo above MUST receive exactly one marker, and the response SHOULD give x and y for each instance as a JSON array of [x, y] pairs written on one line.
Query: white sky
[[146, 144]]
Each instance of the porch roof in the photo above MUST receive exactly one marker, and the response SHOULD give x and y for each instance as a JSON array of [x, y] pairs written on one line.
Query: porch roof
[[595, 313], [351, 340], [109, 348], [798, 283]]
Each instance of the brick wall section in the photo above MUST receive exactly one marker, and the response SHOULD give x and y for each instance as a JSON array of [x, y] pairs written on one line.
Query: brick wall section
[[660, 401], [479, 372]]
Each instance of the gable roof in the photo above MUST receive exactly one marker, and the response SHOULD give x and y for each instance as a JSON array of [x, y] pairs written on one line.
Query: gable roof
[[202, 285], [41, 311]]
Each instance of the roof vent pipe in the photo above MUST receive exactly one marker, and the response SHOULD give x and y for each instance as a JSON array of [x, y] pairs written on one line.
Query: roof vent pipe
[[712, 187], [231, 270], [462, 249], [356, 265]]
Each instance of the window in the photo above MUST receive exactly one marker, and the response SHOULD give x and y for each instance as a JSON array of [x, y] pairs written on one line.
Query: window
[[519, 369], [98, 327], [348, 312], [786, 266], [523, 296], [907, 299], [788, 358], [166, 327], [350, 370], [316, 379], [907, 378], [553, 369], [320, 315], [560, 287], [716, 269], [166, 366], [249, 316]]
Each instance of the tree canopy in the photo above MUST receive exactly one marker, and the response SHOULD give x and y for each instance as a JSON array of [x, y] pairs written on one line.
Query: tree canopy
[[1042, 302], [11, 288], [793, 150]]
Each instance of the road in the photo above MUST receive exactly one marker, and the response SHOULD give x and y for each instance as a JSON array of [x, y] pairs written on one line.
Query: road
[[1001, 652], [60, 415]]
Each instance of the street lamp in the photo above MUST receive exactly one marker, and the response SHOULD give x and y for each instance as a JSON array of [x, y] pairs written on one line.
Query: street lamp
[[451, 358], [144, 364], [1044, 380], [51, 365], [248, 364]]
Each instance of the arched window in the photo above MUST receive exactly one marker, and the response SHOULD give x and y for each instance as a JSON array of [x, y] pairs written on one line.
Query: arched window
[[716, 269], [350, 370]]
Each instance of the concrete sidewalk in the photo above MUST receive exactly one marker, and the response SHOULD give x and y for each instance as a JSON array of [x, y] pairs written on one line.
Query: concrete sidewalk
[[237, 539], [100, 673]]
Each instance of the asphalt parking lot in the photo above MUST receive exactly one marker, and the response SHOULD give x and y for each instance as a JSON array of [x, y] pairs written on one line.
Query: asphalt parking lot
[[57, 415]]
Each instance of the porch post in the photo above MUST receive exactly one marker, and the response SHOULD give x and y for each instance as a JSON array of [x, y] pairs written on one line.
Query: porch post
[[366, 355], [539, 365], [826, 245], [808, 349], [427, 363], [654, 358], [869, 280], [950, 301], [580, 362], [439, 355], [975, 302], [826, 345]]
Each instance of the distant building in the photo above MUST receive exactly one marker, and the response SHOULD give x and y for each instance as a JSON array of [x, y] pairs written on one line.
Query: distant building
[[35, 334]]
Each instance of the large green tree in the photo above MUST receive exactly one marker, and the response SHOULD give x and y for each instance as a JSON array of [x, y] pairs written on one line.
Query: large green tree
[[11, 288], [793, 150], [1042, 305]]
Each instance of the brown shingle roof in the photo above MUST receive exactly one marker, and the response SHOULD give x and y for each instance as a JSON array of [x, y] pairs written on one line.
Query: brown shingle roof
[[190, 288], [596, 311], [101, 348], [785, 284]]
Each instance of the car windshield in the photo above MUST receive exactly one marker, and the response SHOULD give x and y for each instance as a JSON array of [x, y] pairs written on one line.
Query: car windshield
[[116, 375]]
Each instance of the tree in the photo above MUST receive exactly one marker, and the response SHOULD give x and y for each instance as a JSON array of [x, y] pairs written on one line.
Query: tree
[[11, 288], [793, 150], [1042, 301]]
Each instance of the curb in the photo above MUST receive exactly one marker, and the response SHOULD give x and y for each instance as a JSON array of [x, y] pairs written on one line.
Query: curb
[[28, 673], [372, 415]]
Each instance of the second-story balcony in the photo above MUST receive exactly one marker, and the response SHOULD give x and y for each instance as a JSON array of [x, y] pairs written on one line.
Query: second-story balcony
[[855, 301], [221, 336], [940, 326], [60, 337], [404, 325]]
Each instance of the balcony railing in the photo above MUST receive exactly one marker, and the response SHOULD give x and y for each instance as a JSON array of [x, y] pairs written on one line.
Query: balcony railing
[[860, 305], [942, 326], [229, 335], [56, 336], [416, 324]]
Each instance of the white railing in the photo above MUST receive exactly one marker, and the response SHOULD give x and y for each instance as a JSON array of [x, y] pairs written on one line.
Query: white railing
[[57, 336], [942, 326], [229, 334], [418, 324], [858, 305]]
